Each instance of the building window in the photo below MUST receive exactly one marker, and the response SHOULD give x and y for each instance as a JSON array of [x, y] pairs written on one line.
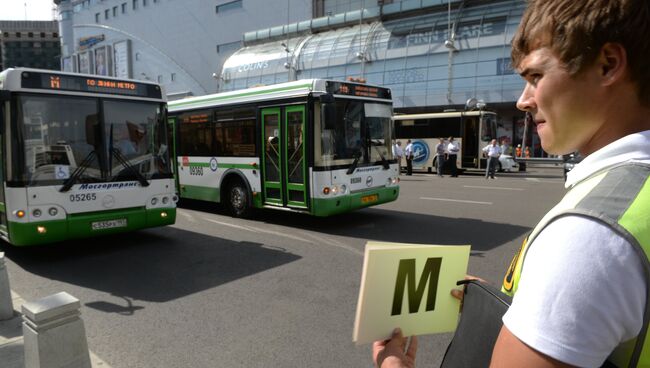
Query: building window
[[135, 4], [173, 75], [228, 47], [229, 6], [137, 56], [123, 8], [17, 34], [144, 2], [114, 11], [160, 79], [30, 34], [42, 34], [106, 13]]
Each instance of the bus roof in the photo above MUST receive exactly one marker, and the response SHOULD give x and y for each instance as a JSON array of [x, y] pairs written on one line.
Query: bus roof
[[434, 115], [297, 88], [42, 80]]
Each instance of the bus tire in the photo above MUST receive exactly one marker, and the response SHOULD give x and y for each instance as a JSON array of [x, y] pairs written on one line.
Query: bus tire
[[238, 200]]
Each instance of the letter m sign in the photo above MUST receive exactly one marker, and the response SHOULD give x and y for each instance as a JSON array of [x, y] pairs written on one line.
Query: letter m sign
[[406, 276]]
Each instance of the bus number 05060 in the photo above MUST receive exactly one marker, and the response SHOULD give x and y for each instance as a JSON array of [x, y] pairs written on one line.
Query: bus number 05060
[[83, 197]]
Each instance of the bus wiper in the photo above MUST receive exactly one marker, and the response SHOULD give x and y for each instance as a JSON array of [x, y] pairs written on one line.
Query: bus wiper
[[353, 165], [384, 163], [125, 162], [76, 174]]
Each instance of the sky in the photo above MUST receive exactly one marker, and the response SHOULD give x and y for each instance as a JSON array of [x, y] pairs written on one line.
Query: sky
[[35, 9]]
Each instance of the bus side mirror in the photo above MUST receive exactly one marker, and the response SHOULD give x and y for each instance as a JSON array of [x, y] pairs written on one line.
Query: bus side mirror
[[329, 111]]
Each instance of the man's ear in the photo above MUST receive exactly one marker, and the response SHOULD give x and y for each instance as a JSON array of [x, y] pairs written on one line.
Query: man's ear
[[612, 63]]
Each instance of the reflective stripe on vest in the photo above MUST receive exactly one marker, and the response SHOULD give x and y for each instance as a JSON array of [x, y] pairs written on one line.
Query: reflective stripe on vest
[[620, 199]]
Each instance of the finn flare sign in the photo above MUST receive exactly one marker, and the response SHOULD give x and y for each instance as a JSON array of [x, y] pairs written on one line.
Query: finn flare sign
[[408, 286]]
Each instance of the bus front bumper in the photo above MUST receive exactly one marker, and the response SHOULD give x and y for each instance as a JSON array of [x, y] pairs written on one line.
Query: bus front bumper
[[88, 225], [372, 197]]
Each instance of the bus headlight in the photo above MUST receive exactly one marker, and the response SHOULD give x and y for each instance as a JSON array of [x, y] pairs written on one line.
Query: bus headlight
[[37, 213], [326, 190], [175, 198], [165, 200], [41, 229], [343, 189], [335, 190], [53, 211], [20, 213], [154, 201]]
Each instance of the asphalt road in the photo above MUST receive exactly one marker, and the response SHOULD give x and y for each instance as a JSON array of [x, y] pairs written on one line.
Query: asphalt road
[[279, 290]]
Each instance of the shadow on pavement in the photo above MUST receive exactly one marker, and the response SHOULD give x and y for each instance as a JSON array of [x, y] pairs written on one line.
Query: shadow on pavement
[[155, 265], [390, 225]]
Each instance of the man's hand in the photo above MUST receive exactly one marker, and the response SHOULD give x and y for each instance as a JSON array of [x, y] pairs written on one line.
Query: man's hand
[[392, 353], [459, 294]]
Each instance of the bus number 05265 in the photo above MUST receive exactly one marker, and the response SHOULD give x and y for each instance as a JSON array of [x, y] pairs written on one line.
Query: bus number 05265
[[83, 197]]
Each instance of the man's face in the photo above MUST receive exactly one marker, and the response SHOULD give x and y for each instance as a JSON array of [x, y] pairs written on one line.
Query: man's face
[[563, 107]]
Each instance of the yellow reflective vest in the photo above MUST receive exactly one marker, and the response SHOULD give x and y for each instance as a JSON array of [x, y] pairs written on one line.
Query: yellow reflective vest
[[618, 197]]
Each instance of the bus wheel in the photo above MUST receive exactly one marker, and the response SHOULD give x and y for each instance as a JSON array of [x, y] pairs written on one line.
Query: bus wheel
[[239, 201]]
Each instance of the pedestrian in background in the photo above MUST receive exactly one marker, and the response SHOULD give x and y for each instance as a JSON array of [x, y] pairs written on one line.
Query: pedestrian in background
[[492, 152], [408, 153], [453, 148], [440, 156], [581, 278], [398, 152]]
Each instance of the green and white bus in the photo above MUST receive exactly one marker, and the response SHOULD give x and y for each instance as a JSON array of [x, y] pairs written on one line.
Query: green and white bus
[[315, 146], [81, 156]]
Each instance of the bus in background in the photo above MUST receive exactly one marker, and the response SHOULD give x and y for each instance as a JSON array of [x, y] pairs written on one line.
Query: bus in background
[[312, 146], [473, 130], [81, 156]]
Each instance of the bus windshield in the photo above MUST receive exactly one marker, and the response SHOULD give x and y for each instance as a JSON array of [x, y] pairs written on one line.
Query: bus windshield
[[352, 129], [64, 137]]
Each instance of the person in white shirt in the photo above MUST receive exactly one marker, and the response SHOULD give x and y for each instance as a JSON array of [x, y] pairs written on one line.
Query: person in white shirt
[[492, 152], [440, 156], [398, 153], [408, 153], [453, 148]]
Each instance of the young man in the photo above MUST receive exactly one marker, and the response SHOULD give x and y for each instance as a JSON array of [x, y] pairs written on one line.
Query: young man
[[580, 281]]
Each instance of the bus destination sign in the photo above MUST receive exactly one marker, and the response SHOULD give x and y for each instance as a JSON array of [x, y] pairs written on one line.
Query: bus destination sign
[[64, 82], [359, 90]]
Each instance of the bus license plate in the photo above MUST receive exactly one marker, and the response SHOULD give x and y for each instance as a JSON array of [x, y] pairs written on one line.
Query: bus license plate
[[369, 198], [108, 224]]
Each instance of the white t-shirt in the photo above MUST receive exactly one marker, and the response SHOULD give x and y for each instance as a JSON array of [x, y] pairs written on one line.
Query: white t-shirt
[[453, 148], [582, 289], [492, 151]]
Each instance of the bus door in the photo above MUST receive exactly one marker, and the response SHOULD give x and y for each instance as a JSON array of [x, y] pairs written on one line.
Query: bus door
[[470, 149], [284, 158]]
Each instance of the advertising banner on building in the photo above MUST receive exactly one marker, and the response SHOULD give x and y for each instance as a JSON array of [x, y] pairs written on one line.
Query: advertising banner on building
[[122, 58], [103, 61], [85, 62]]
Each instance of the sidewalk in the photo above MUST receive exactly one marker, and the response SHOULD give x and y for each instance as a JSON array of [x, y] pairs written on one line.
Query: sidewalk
[[11, 340]]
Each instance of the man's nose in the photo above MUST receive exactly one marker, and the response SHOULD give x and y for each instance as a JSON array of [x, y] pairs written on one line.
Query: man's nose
[[526, 101]]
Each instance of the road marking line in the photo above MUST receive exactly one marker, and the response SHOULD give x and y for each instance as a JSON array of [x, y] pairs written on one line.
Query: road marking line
[[336, 243], [187, 216], [257, 230], [230, 225], [532, 179], [455, 200], [496, 188]]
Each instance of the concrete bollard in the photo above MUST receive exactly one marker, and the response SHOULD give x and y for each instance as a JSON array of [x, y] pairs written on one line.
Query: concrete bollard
[[6, 305], [54, 334]]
